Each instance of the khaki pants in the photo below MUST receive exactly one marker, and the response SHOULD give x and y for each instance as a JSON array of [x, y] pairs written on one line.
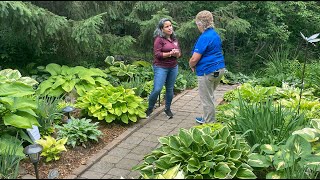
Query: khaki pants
[[207, 85]]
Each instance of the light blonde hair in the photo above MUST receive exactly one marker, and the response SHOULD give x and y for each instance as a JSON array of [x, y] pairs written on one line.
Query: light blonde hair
[[205, 19]]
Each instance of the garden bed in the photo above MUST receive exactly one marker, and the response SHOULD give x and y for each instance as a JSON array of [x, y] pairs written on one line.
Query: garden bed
[[73, 157]]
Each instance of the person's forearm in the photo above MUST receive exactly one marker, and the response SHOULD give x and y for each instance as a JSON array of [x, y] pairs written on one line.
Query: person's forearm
[[193, 62], [194, 59]]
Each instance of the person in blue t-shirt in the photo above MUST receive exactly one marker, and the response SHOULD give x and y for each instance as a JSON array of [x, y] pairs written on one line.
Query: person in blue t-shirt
[[208, 62]]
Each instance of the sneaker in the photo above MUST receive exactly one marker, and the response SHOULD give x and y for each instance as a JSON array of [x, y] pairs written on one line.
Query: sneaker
[[148, 112], [168, 113], [200, 120]]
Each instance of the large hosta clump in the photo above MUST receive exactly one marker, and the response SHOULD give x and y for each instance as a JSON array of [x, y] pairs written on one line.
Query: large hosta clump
[[202, 154], [113, 103], [17, 106]]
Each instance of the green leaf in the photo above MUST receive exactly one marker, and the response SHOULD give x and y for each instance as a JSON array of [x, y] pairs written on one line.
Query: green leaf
[[244, 173], [69, 85], [258, 160], [58, 82], [162, 164], [208, 140], [53, 69], [235, 154], [219, 147], [24, 120], [124, 118], [269, 148], [174, 142], [224, 133], [164, 140], [196, 135], [221, 170], [185, 137]]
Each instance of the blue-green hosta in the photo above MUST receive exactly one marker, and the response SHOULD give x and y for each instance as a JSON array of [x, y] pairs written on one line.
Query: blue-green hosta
[[113, 103], [202, 154], [79, 131]]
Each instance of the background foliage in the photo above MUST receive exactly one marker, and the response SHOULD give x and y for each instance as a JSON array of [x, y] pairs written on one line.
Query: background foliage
[[85, 32]]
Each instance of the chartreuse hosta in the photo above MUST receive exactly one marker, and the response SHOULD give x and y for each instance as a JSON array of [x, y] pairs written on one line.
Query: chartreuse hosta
[[17, 107], [64, 79], [202, 154], [113, 103], [298, 158]]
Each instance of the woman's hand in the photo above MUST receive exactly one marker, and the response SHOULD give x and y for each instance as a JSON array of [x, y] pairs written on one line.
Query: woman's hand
[[175, 52]]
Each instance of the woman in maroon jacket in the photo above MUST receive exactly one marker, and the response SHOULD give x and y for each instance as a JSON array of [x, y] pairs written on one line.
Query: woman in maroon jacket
[[165, 65]]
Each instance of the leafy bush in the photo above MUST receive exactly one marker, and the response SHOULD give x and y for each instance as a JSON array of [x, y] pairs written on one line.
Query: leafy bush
[[293, 160], [64, 79], [265, 123], [79, 131], [48, 112], [113, 103], [10, 157], [52, 148], [201, 153]]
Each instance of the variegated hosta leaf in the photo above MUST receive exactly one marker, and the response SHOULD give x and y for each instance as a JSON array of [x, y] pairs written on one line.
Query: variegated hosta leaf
[[185, 137], [311, 161], [164, 140], [174, 142], [269, 148], [275, 175], [196, 135], [258, 160], [224, 133], [315, 123], [244, 173], [283, 160], [11, 74], [235, 154], [298, 146], [221, 170], [309, 134]]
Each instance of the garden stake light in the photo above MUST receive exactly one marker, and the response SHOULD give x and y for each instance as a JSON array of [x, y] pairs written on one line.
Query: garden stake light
[[68, 110], [33, 152], [312, 39]]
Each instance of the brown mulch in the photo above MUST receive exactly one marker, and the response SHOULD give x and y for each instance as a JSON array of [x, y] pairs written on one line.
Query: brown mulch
[[73, 157]]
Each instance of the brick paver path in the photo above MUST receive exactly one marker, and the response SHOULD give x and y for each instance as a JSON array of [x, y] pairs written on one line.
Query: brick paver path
[[127, 150]]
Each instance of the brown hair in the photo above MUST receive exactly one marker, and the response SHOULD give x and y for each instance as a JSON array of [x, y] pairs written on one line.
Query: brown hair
[[205, 19]]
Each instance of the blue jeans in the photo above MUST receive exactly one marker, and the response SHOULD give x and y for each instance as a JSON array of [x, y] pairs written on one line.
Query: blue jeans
[[163, 76]]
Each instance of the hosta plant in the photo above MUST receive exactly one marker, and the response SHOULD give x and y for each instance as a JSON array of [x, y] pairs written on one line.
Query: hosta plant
[[64, 79], [52, 148], [79, 131], [17, 107], [172, 173], [201, 153], [113, 104], [294, 159]]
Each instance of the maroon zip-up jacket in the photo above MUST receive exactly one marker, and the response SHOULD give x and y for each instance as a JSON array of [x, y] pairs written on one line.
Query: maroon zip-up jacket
[[162, 45]]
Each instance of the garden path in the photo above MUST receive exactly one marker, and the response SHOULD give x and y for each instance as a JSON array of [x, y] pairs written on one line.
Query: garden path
[[127, 150]]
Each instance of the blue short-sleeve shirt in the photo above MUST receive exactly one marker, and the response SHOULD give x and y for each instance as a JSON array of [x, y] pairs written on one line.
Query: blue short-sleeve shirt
[[210, 47]]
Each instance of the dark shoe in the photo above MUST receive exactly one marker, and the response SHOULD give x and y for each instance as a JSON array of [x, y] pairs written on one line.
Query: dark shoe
[[148, 112], [200, 120], [168, 113]]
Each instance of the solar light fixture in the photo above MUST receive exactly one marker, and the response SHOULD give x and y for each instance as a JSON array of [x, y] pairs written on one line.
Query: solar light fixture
[[33, 152], [68, 110]]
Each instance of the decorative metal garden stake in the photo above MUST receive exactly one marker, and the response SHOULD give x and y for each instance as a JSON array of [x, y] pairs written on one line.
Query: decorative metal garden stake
[[68, 110], [312, 39], [33, 152]]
